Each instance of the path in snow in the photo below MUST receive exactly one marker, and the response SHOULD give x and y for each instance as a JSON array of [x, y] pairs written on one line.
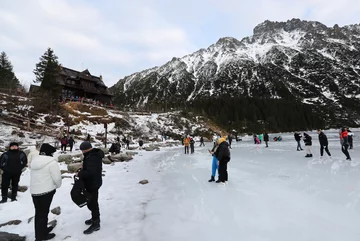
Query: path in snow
[[273, 193]]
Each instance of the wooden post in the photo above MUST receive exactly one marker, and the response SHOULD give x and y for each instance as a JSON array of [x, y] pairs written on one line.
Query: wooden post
[[28, 125], [105, 126]]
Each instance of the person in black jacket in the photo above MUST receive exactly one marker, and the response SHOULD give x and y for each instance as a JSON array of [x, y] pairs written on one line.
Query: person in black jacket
[[266, 139], [11, 162], [323, 143], [91, 175], [308, 144], [223, 155], [298, 139], [192, 145], [202, 141], [230, 140], [71, 142]]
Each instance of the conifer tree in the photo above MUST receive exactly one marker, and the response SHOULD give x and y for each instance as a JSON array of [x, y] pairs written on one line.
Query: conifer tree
[[46, 73], [8, 79]]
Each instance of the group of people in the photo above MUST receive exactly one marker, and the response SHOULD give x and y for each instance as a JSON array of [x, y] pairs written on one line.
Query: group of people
[[220, 158], [67, 141], [45, 178], [189, 142], [346, 141], [259, 138]]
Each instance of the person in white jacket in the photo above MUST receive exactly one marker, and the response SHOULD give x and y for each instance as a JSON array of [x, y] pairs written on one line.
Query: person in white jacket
[[45, 178]]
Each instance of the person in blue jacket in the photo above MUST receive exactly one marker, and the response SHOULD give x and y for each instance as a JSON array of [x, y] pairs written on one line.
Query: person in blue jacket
[[214, 162]]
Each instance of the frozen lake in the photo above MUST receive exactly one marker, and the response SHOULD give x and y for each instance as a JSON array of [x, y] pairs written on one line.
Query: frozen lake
[[273, 193]]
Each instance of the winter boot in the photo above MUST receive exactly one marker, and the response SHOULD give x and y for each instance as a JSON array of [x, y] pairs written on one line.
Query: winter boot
[[49, 229], [95, 226], [212, 179], [307, 155], [48, 237], [218, 181], [310, 155], [3, 200], [89, 221]]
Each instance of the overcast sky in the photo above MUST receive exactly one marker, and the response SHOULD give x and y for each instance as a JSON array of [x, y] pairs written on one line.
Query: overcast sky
[[116, 38]]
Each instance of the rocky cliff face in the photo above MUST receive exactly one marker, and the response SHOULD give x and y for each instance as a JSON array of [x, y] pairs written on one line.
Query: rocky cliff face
[[302, 61]]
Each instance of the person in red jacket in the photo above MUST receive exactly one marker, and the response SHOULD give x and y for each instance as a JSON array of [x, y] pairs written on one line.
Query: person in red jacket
[[64, 142], [345, 143]]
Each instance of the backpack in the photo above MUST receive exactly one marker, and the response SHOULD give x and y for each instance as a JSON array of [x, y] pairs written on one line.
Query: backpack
[[78, 193]]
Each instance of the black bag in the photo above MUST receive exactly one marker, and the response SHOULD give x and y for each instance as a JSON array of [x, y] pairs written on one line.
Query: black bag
[[78, 193]]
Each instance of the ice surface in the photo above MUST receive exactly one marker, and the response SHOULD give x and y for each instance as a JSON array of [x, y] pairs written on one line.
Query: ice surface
[[273, 193]]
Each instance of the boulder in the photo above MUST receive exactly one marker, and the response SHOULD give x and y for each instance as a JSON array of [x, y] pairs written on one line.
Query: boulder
[[149, 148], [105, 150], [4, 236], [65, 158], [73, 167], [22, 188], [13, 222], [79, 155], [106, 161], [26, 151], [131, 153], [56, 211], [62, 177], [121, 157], [143, 182], [52, 223]]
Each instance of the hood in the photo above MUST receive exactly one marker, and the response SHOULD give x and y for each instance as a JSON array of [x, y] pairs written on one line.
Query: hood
[[221, 140], [95, 151], [39, 161]]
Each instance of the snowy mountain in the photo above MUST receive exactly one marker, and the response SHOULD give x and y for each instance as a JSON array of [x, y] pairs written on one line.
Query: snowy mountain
[[302, 61]]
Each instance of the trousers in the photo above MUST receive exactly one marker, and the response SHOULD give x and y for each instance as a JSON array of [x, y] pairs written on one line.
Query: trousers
[[214, 166], [42, 206], [8, 177]]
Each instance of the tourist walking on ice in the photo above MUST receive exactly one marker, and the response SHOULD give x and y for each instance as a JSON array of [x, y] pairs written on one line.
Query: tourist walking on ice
[[45, 178], [192, 145], [187, 144], [260, 136], [266, 139], [11, 162], [223, 155], [202, 141], [308, 144], [344, 140], [323, 143], [214, 165], [298, 136], [230, 140]]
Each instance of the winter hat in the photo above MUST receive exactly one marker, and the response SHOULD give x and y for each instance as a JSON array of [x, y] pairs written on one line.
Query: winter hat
[[13, 143], [47, 149], [85, 145], [221, 140]]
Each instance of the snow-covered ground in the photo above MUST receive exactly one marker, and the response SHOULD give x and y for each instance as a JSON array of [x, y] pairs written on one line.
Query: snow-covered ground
[[273, 193]]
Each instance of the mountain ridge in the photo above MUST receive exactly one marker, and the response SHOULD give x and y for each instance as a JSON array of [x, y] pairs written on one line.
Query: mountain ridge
[[304, 61]]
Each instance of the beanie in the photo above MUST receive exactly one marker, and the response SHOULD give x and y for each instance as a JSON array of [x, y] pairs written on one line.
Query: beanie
[[13, 143], [85, 145], [47, 149]]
